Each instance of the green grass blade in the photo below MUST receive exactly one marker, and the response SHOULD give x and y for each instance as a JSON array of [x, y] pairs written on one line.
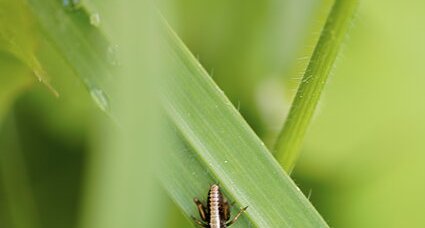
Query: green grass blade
[[80, 43], [120, 191], [321, 64], [123, 192], [214, 143], [224, 145], [18, 37], [14, 80]]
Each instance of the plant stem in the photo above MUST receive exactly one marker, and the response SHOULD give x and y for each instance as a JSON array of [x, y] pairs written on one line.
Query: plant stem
[[288, 144]]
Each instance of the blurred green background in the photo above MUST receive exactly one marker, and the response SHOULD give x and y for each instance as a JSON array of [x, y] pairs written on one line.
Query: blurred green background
[[363, 159]]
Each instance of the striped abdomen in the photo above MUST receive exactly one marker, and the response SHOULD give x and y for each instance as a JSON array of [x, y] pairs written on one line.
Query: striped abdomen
[[215, 200]]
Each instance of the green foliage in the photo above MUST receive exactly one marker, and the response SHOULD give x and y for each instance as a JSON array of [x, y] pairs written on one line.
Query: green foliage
[[315, 77], [222, 145], [10, 86], [15, 78], [207, 140], [20, 40]]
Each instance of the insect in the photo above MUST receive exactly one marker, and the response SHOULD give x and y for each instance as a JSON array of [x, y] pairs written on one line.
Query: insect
[[217, 212]]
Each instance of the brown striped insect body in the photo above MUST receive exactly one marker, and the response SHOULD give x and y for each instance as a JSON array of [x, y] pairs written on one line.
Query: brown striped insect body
[[217, 212]]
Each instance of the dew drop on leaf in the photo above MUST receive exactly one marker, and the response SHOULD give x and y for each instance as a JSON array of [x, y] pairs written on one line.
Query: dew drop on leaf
[[100, 98], [71, 4], [112, 55], [95, 19]]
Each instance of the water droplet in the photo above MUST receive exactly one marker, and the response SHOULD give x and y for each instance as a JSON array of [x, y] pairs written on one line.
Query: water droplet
[[225, 161], [100, 98], [112, 55], [95, 19], [38, 75], [66, 3], [71, 4]]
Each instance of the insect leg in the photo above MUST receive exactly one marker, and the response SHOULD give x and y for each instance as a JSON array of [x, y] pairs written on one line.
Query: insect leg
[[237, 216], [200, 223], [226, 209], [202, 209]]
